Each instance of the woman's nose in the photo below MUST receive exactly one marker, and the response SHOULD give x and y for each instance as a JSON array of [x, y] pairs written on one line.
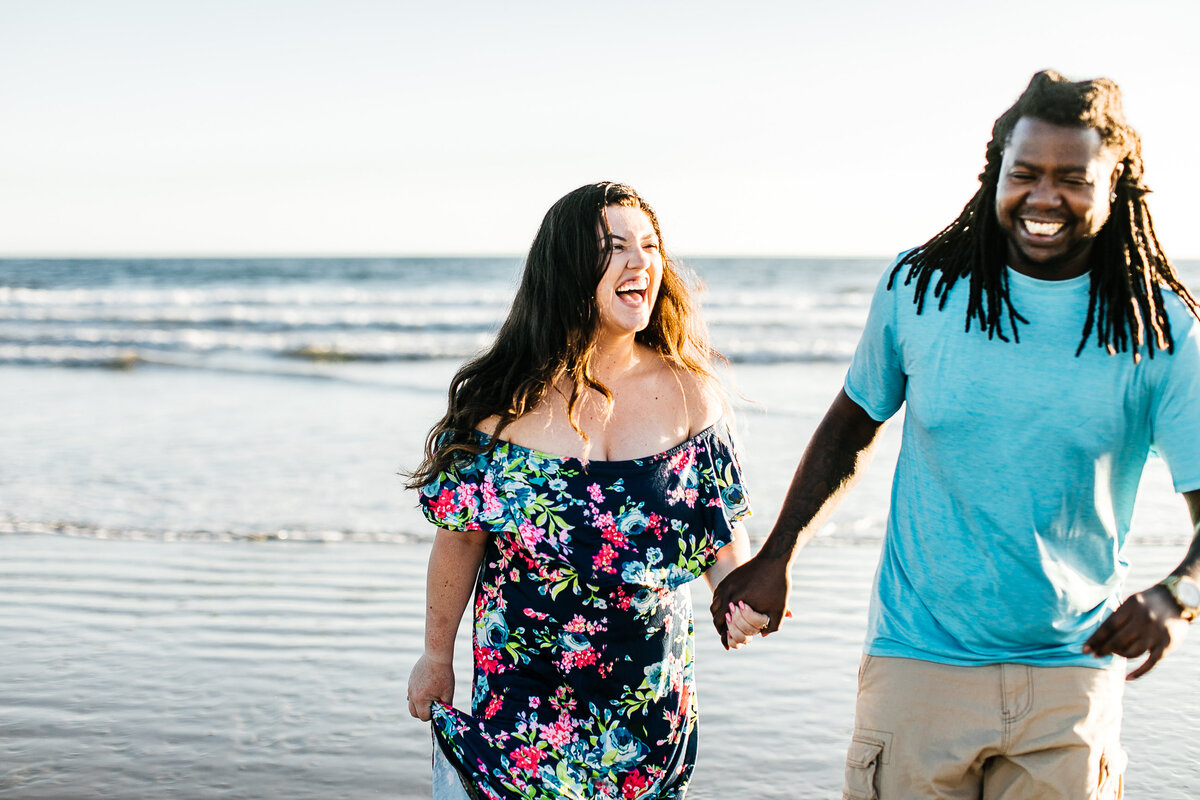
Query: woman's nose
[[639, 257]]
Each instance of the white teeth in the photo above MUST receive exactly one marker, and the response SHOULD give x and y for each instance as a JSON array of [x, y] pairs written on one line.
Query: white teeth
[[634, 285], [1042, 228]]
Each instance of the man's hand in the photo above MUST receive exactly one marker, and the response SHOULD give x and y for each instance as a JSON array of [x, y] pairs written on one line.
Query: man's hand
[[1147, 622], [761, 584]]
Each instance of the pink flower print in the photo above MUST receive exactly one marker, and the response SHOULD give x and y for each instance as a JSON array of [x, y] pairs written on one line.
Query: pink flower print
[[487, 660], [682, 460], [466, 495], [688, 496], [576, 625], [602, 561], [614, 536], [530, 534], [444, 506], [562, 701], [527, 757], [535, 701], [558, 734], [672, 718], [635, 783], [606, 521], [685, 700], [491, 503], [493, 706], [574, 659], [596, 495]]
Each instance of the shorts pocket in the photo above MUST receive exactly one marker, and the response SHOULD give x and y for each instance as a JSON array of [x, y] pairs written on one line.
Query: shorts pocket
[[1112, 774], [862, 765]]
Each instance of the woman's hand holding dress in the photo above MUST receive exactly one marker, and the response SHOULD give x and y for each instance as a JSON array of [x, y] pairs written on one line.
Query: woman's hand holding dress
[[453, 565], [429, 680]]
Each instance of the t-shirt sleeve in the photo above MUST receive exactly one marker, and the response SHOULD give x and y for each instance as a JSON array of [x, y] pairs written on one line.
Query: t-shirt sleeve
[[1175, 416], [876, 378], [463, 498]]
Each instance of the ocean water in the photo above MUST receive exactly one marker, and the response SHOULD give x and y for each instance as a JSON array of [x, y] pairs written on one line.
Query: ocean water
[[279, 398]]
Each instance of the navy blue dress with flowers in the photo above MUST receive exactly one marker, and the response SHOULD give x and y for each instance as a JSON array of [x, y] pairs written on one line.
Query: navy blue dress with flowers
[[583, 682]]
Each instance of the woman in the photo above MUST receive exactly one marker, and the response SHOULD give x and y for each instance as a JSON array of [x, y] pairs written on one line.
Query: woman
[[583, 474]]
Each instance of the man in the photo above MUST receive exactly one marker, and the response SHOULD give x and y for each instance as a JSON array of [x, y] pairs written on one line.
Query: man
[[1042, 344]]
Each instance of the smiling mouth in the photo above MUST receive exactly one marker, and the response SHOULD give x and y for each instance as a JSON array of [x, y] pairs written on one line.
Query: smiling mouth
[[633, 291], [1042, 229]]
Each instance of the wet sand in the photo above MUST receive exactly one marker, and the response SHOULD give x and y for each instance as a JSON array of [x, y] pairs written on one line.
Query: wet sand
[[151, 669]]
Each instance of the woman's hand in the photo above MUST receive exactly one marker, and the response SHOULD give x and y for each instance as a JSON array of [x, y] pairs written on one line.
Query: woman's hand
[[742, 624], [758, 584], [429, 680]]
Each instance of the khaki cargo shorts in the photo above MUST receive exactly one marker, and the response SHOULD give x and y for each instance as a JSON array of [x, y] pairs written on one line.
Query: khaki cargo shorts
[[997, 732]]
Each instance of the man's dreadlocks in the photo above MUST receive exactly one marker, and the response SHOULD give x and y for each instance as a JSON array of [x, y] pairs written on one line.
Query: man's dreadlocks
[[1127, 265]]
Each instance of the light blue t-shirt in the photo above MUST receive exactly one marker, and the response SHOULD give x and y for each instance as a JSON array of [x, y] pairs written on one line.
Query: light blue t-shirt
[[1017, 472]]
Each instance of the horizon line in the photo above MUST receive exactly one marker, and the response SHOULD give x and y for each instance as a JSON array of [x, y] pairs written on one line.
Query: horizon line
[[235, 256]]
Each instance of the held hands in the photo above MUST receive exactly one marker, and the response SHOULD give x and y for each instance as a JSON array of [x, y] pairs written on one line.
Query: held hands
[[757, 589], [429, 680], [1147, 622], [742, 623]]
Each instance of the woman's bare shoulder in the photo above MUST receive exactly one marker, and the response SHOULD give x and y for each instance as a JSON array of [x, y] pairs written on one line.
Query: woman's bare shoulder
[[703, 398], [535, 429]]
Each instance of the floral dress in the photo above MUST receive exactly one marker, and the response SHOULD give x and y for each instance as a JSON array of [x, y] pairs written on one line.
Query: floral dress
[[583, 682]]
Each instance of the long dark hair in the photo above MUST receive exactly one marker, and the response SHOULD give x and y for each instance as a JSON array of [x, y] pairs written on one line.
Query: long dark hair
[[552, 329], [1128, 267]]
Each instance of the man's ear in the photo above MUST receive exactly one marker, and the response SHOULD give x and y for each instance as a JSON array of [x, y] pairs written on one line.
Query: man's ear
[[1117, 172]]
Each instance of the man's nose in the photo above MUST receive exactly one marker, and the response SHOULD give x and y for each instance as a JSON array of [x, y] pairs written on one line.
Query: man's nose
[[1044, 194]]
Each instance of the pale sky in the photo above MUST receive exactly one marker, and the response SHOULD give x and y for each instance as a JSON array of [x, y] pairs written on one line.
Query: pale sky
[[364, 127]]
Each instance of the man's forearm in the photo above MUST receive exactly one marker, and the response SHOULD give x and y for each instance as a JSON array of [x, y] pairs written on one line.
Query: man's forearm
[[836, 455]]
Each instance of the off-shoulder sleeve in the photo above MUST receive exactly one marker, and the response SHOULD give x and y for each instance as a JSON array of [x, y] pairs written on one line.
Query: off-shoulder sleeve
[[464, 498], [722, 484]]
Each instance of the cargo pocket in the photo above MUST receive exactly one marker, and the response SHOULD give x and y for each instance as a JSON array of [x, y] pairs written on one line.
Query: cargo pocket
[[1112, 774], [862, 765]]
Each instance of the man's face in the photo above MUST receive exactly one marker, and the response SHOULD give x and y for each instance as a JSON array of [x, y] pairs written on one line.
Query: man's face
[[1053, 197]]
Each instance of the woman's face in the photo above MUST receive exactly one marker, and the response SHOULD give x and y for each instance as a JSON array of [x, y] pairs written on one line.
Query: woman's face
[[629, 287]]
